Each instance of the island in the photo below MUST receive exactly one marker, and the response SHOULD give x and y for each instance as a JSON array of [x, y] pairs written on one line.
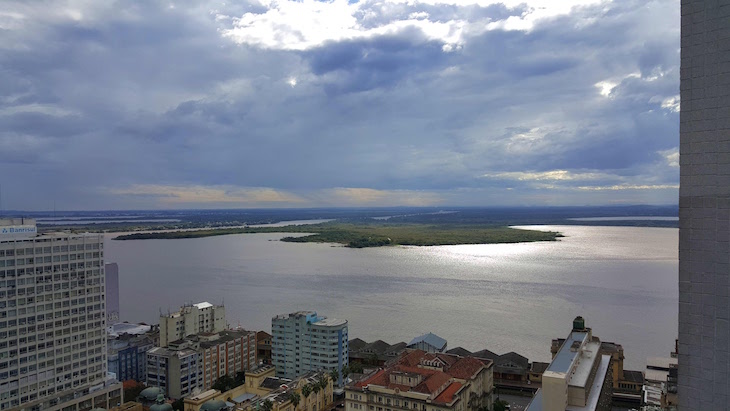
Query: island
[[375, 234]]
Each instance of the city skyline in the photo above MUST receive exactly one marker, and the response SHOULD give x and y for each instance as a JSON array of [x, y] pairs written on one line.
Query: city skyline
[[310, 104]]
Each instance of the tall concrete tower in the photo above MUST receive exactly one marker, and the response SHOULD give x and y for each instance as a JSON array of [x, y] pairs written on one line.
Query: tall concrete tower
[[704, 206]]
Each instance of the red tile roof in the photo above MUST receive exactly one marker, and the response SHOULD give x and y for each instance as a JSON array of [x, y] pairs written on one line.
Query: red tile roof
[[465, 368], [431, 384], [448, 394], [432, 379]]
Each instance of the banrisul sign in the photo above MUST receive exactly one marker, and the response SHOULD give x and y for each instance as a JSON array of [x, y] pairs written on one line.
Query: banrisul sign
[[18, 231]]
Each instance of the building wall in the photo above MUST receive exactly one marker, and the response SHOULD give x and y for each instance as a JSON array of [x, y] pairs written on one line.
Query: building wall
[[52, 318], [704, 206], [299, 345], [191, 320]]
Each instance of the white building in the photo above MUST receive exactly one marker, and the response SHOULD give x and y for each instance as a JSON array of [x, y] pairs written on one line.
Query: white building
[[302, 342], [52, 320], [578, 378], [192, 319]]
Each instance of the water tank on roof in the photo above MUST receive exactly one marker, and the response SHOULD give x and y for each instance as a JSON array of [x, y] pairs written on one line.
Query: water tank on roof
[[579, 324]]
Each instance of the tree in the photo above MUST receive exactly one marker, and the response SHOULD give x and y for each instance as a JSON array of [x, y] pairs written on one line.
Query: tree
[[133, 392], [295, 398], [224, 383], [240, 378], [178, 405], [500, 405], [355, 368], [335, 375], [345, 372], [372, 359], [306, 390]]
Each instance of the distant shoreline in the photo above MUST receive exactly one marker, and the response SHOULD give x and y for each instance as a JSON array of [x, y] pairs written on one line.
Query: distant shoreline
[[366, 235]]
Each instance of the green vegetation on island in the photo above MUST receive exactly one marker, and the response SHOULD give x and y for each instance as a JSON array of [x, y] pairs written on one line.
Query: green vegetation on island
[[376, 234]]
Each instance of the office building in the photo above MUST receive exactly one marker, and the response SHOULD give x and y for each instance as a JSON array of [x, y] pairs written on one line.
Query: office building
[[174, 369], [304, 342], [192, 319], [52, 320], [704, 206], [418, 380], [127, 356], [579, 376], [111, 271]]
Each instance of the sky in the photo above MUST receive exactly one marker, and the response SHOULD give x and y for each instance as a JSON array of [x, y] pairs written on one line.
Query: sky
[[279, 103]]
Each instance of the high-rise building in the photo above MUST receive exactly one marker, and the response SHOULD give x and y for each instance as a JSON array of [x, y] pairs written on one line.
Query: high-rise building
[[303, 342], [704, 206], [111, 272], [52, 320], [192, 319], [578, 377]]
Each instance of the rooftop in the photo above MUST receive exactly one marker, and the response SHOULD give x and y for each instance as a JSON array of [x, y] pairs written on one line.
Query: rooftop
[[118, 329], [330, 322], [564, 358], [437, 374], [431, 339], [593, 395], [203, 305]]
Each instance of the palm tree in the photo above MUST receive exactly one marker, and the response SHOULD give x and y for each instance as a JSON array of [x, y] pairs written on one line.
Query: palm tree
[[315, 389], [335, 375], [306, 390], [345, 372], [325, 382], [294, 397], [267, 405]]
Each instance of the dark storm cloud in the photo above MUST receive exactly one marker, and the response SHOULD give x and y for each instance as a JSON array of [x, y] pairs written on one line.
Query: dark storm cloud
[[110, 104]]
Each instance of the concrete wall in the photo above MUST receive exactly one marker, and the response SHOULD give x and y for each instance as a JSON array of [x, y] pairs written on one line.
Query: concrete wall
[[704, 201]]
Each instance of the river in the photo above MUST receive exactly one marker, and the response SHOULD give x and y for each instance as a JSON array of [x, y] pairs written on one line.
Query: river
[[503, 297]]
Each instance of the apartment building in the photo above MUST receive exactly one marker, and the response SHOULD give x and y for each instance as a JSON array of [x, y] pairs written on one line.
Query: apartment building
[[303, 342], [225, 353], [174, 369], [197, 361], [422, 381], [52, 320], [192, 319]]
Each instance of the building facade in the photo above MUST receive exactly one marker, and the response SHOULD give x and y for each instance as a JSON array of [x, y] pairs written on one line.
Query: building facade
[[226, 353], [704, 206], [127, 356], [197, 361], [303, 342], [52, 320], [192, 319], [263, 342], [176, 370], [421, 381]]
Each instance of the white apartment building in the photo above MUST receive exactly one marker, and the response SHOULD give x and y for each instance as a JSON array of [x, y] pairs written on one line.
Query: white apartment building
[[303, 341], [192, 319], [52, 320]]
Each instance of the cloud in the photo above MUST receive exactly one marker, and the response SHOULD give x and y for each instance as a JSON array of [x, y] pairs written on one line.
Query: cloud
[[201, 195], [370, 102]]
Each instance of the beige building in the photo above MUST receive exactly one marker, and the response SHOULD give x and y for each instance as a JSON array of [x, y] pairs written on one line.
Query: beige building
[[262, 385], [192, 319], [579, 376], [421, 381], [52, 320]]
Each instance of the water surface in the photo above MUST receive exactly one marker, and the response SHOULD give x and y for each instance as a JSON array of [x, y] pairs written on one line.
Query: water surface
[[503, 297]]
